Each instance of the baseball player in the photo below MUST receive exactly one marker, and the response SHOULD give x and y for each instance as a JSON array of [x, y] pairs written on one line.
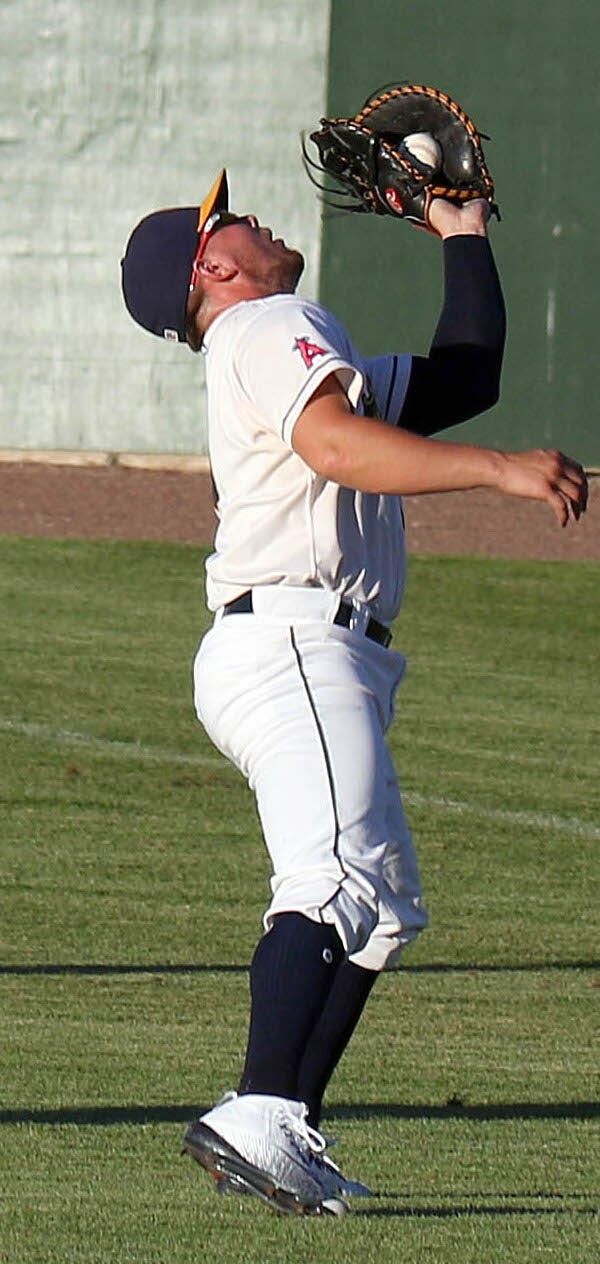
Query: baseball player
[[312, 446]]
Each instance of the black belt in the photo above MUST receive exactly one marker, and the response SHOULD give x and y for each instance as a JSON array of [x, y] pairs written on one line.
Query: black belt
[[374, 630]]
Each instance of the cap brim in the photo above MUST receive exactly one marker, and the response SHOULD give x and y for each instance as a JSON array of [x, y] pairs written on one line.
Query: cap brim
[[216, 200]]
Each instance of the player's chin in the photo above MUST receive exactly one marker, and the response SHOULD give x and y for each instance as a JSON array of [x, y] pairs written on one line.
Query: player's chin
[[284, 270], [295, 265]]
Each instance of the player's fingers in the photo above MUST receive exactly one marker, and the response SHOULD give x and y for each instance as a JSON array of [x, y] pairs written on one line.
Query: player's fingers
[[576, 487], [578, 476], [573, 469], [576, 509], [558, 504], [572, 491], [568, 478]]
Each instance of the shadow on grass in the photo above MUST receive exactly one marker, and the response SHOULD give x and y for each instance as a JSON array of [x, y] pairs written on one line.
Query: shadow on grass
[[104, 1116], [99, 968], [456, 1109], [109, 1116], [473, 1209], [518, 967], [189, 967]]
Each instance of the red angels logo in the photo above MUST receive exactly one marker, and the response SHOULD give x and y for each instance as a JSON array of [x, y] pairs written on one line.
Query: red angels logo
[[309, 350]]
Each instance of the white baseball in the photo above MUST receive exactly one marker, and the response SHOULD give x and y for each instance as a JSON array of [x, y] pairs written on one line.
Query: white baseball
[[424, 147]]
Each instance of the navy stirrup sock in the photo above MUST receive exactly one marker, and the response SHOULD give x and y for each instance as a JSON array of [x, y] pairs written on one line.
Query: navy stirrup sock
[[292, 972], [331, 1034]]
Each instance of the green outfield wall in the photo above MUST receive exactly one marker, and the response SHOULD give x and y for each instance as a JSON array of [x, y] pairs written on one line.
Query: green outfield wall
[[528, 73], [109, 109]]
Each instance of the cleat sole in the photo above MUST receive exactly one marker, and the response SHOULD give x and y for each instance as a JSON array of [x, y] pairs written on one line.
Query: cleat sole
[[223, 1162]]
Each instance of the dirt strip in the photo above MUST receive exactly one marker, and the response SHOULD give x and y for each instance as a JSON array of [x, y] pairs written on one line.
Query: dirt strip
[[120, 503]]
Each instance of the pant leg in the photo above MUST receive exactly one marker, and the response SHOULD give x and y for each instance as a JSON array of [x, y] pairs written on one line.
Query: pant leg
[[402, 914], [302, 711]]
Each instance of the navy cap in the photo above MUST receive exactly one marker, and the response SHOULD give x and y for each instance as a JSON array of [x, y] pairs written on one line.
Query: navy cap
[[157, 265]]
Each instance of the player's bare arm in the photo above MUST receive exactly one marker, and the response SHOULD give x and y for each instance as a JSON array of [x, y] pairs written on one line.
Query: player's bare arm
[[369, 455], [446, 219]]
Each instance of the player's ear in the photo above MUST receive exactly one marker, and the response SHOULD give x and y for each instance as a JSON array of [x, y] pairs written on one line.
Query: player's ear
[[216, 269]]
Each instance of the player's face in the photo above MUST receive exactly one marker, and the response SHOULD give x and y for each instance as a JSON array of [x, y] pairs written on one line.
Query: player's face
[[266, 261]]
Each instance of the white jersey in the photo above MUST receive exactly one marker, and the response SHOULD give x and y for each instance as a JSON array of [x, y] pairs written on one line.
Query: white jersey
[[279, 522]]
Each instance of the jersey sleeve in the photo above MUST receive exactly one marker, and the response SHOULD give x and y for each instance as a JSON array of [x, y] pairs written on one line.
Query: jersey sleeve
[[281, 360], [388, 377]]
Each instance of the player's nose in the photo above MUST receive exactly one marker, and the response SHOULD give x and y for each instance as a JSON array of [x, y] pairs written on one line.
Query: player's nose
[[252, 220]]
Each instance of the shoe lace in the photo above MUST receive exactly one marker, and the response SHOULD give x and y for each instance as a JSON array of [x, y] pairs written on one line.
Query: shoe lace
[[296, 1127]]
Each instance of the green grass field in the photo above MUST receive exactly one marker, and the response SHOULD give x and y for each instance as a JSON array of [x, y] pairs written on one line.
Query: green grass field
[[133, 886]]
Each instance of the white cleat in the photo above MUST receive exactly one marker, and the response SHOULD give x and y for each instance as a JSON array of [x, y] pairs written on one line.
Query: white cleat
[[346, 1187], [263, 1145]]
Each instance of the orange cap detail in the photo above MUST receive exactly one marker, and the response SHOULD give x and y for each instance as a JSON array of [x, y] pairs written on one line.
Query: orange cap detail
[[216, 200]]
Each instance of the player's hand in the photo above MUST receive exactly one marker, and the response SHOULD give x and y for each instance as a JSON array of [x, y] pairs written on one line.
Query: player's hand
[[546, 475], [448, 219]]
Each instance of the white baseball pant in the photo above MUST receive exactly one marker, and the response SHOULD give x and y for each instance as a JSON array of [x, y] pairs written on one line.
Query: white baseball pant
[[301, 707]]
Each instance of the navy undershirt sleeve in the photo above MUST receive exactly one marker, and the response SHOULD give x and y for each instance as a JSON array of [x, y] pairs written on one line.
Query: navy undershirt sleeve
[[460, 377]]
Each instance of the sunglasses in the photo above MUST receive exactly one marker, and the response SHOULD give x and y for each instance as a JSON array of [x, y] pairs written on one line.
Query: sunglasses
[[218, 219]]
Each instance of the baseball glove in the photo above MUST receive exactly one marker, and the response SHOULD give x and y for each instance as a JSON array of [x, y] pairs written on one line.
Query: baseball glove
[[407, 145]]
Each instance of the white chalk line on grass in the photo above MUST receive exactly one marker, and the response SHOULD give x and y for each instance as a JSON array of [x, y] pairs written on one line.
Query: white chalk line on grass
[[538, 820], [64, 737]]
